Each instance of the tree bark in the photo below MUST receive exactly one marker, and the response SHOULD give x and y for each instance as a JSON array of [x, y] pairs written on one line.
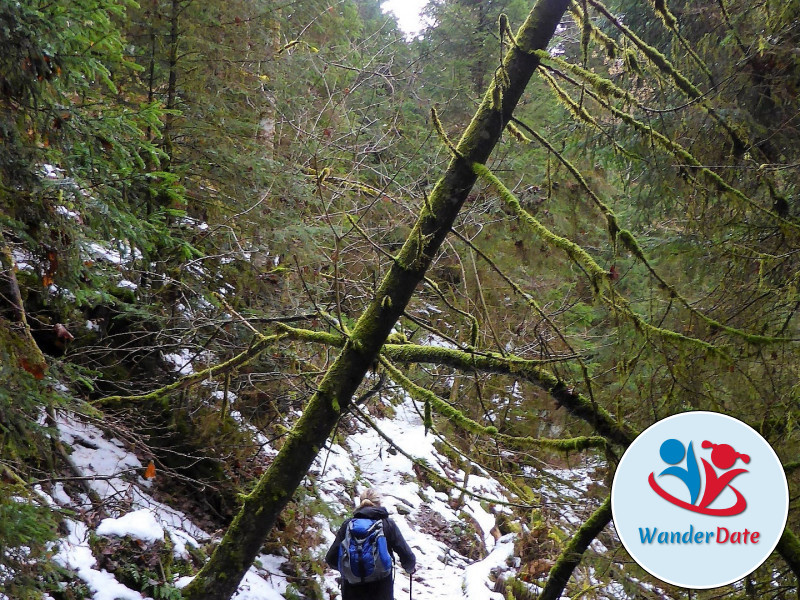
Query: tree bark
[[573, 553], [220, 577], [789, 549], [172, 82]]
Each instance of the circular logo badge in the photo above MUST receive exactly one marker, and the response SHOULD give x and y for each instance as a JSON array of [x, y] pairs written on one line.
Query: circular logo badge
[[699, 500]]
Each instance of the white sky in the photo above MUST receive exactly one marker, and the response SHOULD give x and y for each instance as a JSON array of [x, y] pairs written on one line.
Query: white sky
[[407, 13]]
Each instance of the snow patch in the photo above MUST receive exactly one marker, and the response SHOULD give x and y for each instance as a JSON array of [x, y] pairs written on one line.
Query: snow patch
[[74, 553], [181, 361], [140, 525]]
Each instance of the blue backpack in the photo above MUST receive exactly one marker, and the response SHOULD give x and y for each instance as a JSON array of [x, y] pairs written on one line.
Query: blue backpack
[[364, 554]]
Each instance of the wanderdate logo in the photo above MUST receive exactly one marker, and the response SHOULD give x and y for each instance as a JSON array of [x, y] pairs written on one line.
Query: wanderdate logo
[[723, 457], [699, 500]]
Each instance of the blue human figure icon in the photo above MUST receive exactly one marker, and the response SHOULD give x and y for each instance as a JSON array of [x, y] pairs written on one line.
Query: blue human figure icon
[[672, 452]]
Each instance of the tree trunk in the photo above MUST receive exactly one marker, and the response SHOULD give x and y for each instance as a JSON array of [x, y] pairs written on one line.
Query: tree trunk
[[573, 553], [789, 549], [220, 577], [172, 82]]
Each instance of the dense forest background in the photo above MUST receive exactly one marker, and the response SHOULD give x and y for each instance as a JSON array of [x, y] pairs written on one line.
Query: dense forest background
[[200, 200]]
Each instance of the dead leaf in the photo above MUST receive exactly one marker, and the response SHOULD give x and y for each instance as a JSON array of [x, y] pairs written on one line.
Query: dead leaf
[[150, 471], [35, 369]]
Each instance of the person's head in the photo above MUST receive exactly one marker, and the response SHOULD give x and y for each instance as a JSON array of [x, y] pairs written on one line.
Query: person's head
[[369, 497]]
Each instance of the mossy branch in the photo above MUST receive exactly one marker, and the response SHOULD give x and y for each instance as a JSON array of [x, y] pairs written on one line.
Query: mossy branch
[[681, 81], [602, 85], [611, 218], [791, 467], [671, 23], [598, 35], [437, 125], [577, 109], [260, 343], [586, 33], [789, 549], [459, 419], [578, 255]]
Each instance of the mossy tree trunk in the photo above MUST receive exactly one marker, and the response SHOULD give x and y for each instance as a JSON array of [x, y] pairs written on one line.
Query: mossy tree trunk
[[221, 575], [573, 554], [789, 549]]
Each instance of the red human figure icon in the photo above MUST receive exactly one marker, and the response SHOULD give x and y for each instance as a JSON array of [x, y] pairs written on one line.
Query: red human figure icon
[[724, 457]]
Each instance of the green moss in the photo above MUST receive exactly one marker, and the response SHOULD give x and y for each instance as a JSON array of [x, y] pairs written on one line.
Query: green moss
[[789, 549], [577, 110], [573, 250], [459, 419], [397, 338], [611, 218], [260, 344], [20, 347], [437, 125], [661, 9], [571, 555], [428, 419], [609, 44]]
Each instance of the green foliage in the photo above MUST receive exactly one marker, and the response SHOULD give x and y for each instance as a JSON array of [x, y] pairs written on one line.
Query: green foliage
[[23, 399], [27, 529], [147, 568]]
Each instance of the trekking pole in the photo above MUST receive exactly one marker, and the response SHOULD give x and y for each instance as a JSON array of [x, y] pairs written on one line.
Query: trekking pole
[[410, 585]]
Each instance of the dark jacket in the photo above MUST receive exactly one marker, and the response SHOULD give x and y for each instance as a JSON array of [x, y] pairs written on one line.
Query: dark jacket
[[376, 590]]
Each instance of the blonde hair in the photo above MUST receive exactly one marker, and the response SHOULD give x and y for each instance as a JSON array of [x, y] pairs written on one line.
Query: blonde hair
[[369, 497]]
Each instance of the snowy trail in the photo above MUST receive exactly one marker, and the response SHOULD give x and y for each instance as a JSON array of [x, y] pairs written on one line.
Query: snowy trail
[[367, 460], [441, 572]]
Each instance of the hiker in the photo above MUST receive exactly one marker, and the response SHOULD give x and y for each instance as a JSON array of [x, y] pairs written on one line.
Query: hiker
[[369, 514]]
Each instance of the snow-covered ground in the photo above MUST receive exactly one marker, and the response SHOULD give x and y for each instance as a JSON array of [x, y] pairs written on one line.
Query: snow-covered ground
[[441, 573], [366, 459]]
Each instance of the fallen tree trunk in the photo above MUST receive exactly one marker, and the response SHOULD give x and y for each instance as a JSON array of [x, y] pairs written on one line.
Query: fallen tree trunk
[[220, 577]]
